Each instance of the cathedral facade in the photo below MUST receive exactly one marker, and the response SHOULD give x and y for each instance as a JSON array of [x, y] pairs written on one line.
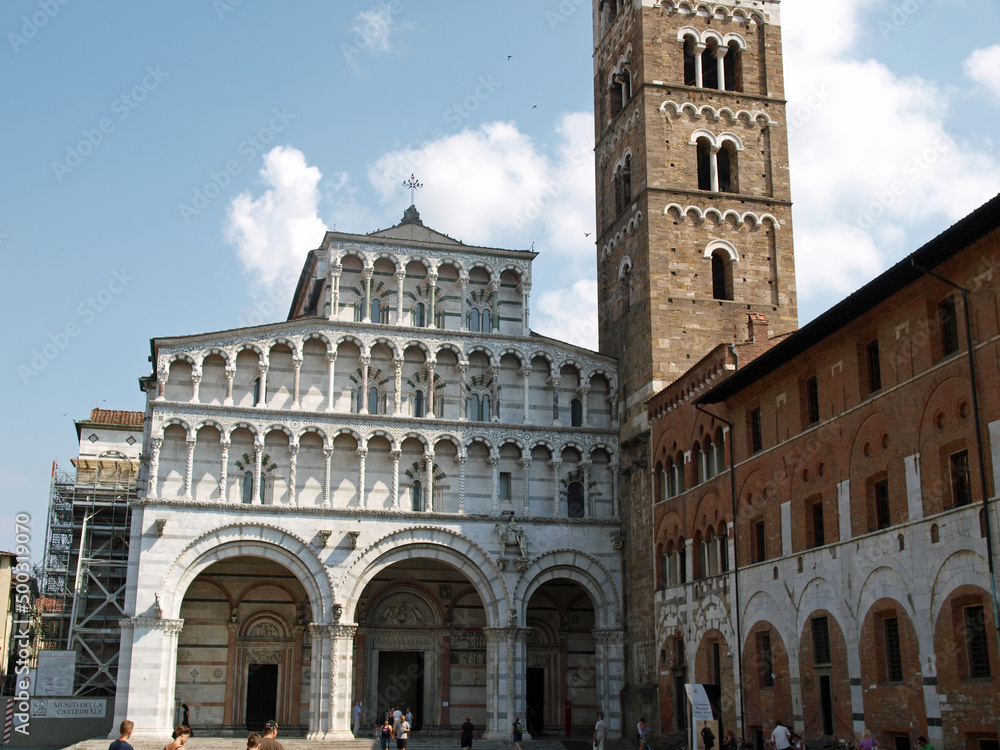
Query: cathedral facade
[[400, 494]]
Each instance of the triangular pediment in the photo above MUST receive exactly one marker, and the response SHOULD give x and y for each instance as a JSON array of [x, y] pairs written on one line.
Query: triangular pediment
[[415, 232]]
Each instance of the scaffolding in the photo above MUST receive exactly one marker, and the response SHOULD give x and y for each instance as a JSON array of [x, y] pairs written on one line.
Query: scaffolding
[[86, 560]]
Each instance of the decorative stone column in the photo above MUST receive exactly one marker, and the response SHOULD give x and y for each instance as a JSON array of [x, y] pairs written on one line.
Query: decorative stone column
[[526, 463], [321, 687], [556, 464], [147, 675], [699, 77], [262, 401], [429, 407], [720, 65], [258, 458], [588, 511], [397, 390], [293, 455], [461, 482], [498, 690], [463, 390], [463, 284], [195, 384], [429, 482], [362, 453], [335, 270], [495, 290], [230, 375], [494, 461], [297, 372], [366, 275], [554, 381], [364, 360], [584, 392], [400, 278], [341, 682], [525, 373], [331, 360], [432, 278], [161, 383], [395, 454], [224, 471], [189, 469], [525, 295], [154, 466], [327, 456], [609, 658]]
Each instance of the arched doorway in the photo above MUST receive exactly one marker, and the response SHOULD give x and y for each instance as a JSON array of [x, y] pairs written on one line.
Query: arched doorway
[[243, 656], [420, 634], [561, 672]]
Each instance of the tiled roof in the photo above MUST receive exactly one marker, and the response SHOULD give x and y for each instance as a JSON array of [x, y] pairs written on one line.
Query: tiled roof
[[111, 417]]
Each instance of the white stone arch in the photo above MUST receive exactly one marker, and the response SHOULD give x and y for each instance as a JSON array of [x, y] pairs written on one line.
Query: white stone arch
[[732, 36], [730, 137], [514, 352], [350, 338], [252, 346], [387, 255], [761, 607], [625, 265], [289, 342], [451, 347], [357, 252], [345, 430], [215, 350], [715, 615], [574, 363], [543, 442], [327, 441], [419, 437], [431, 543], [388, 343], [818, 594], [208, 423], [319, 336], [254, 430], [280, 428], [627, 154], [382, 434], [483, 349], [962, 568], [885, 582], [712, 35], [511, 440], [181, 355], [541, 354], [725, 246], [176, 421], [262, 540], [418, 344], [577, 566], [449, 438], [479, 438], [601, 446], [688, 31]]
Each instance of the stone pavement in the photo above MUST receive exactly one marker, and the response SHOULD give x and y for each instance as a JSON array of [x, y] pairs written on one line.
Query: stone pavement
[[419, 742]]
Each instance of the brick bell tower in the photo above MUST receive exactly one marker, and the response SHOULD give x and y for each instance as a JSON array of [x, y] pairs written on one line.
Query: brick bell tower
[[694, 228]]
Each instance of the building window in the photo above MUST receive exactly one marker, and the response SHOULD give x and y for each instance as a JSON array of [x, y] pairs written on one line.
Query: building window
[[961, 479], [420, 316], [256, 391], [376, 311], [576, 412], [727, 160], [374, 402], [474, 320], [485, 412], [704, 164], [504, 490], [691, 61], [818, 528], [759, 548], [247, 488], [948, 321], [417, 497], [976, 644], [874, 368], [439, 318], [734, 68], [812, 401], [723, 550], [716, 663], [682, 563], [487, 321], [574, 500], [418, 404], [722, 276], [698, 459], [821, 641], [766, 660], [756, 431], [883, 519], [893, 654]]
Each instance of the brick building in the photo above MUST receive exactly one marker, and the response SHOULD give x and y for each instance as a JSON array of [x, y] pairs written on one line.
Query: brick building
[[861, 537]]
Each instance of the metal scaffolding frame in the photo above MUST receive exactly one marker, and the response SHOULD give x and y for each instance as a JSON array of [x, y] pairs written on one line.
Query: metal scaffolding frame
[[85, 565]]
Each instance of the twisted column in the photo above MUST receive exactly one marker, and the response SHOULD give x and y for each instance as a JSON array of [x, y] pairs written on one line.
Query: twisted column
[[463, 390], [397, 392], [293, 455], [461, 483], [394, 454], [525, 374], [556, 465], [429, 482], [258, 458], [297, 372], [364, 360], [327, 456], [331, 361], [154, 466], [494, 461], [429, 410], [400, 278], [189, 470], [526, 463], [224, 471], [584, 391], [362, 455], [335, 270], [463, 283], [432, 277], [554, 380]]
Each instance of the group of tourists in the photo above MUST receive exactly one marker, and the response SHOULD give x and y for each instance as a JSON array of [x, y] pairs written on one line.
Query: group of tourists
[[182, 732]]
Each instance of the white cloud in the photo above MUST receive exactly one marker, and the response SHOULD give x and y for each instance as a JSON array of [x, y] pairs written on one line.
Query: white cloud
[[870, 153], [372, 31], [273, 232], [983, 67], [568, 314], [495, 186]]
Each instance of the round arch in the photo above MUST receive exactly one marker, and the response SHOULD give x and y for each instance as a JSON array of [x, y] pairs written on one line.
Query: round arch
[[575, 566]]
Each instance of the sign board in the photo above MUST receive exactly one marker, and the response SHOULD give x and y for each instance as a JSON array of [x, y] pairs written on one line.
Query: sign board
[[702, 717], [55, 673], [701, 706], [68, 708]]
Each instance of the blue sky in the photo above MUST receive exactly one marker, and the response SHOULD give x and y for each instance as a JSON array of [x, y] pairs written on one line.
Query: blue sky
[[166, 166]]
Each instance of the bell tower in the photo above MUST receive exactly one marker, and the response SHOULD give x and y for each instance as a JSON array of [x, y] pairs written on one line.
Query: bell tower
[[694, 226]]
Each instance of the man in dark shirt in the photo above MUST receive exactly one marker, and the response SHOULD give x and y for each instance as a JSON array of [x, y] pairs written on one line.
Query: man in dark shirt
[[124, 731], [468, 733], [268, 741]]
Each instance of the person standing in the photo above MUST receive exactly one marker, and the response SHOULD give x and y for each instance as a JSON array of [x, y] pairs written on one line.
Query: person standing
[[409, 718], [397, 719], [180, 735], [600, 732], [403, 735], [781, 737], [643, 732], [356, 718], [186, 717], [868, 742], [516, 732], [468, 733], [269, 741], [707, 737], [124, 732], [923, 744], [385, 734]]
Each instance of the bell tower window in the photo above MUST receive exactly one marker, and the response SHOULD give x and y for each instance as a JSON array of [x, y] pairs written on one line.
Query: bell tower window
[[705, 157]]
